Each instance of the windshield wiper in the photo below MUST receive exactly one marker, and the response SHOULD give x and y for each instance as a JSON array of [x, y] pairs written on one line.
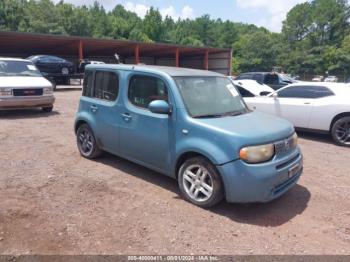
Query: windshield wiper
[[209, 116], [221, 115], [233, 113]]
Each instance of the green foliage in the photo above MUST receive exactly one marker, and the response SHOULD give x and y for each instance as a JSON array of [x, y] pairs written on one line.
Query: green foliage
[[315, 37], [152, 25], [256, 52], [11, 13], [43, 16]]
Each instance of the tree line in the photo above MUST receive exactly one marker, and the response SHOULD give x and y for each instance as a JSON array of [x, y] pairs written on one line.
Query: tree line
[[315, 37]]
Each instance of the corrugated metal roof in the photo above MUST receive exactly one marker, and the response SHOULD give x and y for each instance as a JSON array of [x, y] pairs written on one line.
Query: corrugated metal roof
[[33, 43]]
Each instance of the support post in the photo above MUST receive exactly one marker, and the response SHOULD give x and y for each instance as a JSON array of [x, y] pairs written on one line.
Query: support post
[[206, 60], [81, 53], [177, 57], [137, 54]]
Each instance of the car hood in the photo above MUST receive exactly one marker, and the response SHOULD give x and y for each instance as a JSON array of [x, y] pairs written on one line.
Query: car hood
[[253, 86], [253, 128], [24, 81]]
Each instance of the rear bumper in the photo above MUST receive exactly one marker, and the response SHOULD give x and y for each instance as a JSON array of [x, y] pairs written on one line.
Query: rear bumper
[[24, 102], [246, 183]]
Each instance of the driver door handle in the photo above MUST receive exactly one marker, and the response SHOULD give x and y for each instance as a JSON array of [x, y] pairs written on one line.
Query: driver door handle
[[127, 117], [94, 108]]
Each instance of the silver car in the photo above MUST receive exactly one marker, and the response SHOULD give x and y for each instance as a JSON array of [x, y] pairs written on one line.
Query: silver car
[[23, 86]]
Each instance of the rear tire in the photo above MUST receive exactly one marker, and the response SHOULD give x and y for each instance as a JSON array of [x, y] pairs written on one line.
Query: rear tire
[[200, 182], [54, 86], [341, 131], [86, 142], [47, 109], [66, 81]]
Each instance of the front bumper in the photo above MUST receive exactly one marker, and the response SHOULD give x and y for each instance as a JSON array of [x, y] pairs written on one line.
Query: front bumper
[[246, 183], [26, 101]]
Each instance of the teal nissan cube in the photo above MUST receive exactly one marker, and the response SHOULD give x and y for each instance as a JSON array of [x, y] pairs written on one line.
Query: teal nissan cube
[[191, 125]]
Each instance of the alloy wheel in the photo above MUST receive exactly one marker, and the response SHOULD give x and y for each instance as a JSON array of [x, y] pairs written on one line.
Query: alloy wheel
[[342, 132], [85, 142], [198, 183]]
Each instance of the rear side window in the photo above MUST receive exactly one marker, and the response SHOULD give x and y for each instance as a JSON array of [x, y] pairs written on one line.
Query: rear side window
[[321, 91], [312, 92], [88, 84], [296, 92], [145, 89], [106, 85]]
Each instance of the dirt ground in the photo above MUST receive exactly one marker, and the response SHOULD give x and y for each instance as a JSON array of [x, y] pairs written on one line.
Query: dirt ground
[[52, 201]]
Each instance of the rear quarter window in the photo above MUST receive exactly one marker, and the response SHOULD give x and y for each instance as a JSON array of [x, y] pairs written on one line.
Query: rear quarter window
[[106, 85], [312, 92], [88, 83]]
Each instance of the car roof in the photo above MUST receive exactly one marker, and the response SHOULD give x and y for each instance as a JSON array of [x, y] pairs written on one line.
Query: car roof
[[171, 71], [13, 59], [263, 73]]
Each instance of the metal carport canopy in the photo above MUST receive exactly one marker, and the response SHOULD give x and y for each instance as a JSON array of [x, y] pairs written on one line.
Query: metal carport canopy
[[20, 44]]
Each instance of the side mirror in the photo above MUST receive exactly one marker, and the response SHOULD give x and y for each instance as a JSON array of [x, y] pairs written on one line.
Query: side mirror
[[275, 95], [160, 107]]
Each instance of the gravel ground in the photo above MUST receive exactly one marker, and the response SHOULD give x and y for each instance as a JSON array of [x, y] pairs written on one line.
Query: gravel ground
[[52, 201]]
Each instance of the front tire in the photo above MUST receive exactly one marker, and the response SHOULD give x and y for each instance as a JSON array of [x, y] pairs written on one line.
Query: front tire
[[341, 131], [86, 142], [200, 182]]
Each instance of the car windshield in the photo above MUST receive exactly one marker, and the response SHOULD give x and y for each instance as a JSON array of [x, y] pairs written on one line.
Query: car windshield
[[18, 68], [210, 97], [287, 79]]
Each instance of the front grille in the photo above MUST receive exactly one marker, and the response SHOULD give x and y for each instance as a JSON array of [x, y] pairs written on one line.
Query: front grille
[[281, 166], [28, 92], [284, 145], [283, 186]]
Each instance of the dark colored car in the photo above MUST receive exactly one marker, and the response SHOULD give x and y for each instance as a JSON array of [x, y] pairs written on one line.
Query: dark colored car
[[274, 80], [56, 69]]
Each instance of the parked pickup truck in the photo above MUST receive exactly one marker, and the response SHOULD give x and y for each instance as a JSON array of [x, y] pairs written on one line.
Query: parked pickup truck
[[191, 125], [272, 79]]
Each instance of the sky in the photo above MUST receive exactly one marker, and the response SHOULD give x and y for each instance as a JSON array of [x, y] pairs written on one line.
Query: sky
[[267, 13]]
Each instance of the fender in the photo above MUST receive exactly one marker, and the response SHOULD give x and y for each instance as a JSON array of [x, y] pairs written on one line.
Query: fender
[[85, 117], [216, 154]]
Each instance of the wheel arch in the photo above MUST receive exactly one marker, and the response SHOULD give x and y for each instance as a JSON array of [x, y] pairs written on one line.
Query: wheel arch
[[183, 157], [337, 117], [190, 154], [78, 123]]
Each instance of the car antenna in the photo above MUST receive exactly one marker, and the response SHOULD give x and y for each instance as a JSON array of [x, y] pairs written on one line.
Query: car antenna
[[117, 58]]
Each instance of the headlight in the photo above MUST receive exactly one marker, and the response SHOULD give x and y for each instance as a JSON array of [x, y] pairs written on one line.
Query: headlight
[[295, 140], [5, 91], [48, 90], [257, 154]]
